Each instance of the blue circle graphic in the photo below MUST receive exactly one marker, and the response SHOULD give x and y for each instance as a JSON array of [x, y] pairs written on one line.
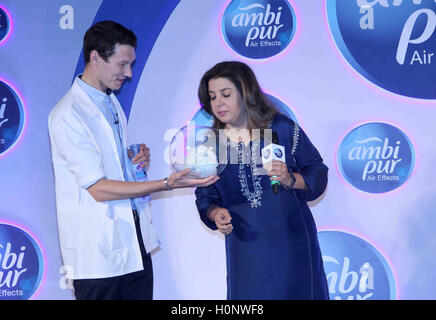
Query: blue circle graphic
[[5, 25], [258, 29], [376, 157], [21, 263], [282, 107], [266, 154], [278, 152], [390, 43], [355, 269], [12, 117]]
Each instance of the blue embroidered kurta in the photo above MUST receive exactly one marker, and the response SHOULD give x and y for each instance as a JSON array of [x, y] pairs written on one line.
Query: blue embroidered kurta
[[273, 250]]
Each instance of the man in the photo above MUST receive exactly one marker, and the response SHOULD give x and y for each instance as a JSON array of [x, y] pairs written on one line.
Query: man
[[105, 232]]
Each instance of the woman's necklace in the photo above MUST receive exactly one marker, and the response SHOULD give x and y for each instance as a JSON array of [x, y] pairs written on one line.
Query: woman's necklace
[[238, 135], [245, 151]]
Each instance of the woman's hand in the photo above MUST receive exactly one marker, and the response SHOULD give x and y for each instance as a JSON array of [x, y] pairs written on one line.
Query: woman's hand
[[278, 171], [222, 218]]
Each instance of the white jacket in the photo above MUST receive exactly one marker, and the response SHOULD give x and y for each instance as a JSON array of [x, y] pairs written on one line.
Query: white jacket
[[98, 239]]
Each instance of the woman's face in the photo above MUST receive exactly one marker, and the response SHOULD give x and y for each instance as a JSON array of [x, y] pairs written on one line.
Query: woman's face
[[227, 104]]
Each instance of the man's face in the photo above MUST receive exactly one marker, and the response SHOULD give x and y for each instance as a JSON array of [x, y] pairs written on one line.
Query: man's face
[[111, 74]]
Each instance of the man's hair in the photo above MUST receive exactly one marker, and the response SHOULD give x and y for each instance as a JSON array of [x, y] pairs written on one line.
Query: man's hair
[[103, 36]]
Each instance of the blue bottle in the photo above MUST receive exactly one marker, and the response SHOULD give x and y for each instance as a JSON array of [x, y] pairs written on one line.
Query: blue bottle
[[140, 174]]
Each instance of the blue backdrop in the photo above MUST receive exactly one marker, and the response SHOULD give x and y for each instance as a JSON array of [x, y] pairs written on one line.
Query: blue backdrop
[[357, 75]]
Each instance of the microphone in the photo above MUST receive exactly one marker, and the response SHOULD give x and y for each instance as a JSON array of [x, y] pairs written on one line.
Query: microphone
[[271, 152]]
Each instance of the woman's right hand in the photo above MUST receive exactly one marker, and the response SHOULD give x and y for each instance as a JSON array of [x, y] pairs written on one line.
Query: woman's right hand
[[222, 218]]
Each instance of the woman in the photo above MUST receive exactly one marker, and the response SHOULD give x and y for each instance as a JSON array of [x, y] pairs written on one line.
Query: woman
[[272, 248]]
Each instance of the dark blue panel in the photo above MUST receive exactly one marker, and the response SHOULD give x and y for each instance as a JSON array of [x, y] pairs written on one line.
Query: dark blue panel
[[146, 19]]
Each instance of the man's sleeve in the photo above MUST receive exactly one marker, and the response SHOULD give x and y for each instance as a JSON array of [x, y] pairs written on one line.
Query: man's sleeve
[[76, 148]]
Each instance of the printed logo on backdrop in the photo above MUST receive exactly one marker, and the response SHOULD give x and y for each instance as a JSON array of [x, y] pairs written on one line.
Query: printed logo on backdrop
[[355, 269], [12, 117], [5, 25], [258, 29], [376, 157], [392, 43], [21, 263]]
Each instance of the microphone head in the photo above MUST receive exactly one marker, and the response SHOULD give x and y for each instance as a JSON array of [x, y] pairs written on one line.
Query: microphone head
[[273, 151]]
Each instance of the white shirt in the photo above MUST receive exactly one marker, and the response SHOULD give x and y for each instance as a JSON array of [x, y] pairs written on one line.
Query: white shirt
[[98, 239]]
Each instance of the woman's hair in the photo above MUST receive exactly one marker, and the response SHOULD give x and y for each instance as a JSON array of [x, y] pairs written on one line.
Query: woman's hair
[[260, 111], [103, 36]]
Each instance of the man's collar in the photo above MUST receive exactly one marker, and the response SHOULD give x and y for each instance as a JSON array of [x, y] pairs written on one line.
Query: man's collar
[[97, 95]]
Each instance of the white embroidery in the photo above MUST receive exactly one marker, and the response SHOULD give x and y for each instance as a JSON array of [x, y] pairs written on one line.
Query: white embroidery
[[255, 197], [295, 138]]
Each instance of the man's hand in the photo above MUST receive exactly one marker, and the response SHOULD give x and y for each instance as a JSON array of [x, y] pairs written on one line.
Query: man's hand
[[143, 156], [179, 180]]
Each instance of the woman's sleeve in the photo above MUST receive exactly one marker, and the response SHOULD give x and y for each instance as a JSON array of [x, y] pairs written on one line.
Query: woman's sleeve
[[206, 197], [310, 165]]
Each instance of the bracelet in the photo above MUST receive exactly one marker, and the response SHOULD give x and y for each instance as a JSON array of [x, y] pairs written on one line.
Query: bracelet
[[166, 183], [292, 181]]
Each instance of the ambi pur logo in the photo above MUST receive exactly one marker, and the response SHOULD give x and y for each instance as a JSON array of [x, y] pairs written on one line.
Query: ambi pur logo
[[355, 269], [392, 43], [258, 29], [21, 263], [12, 117], [376, 157]]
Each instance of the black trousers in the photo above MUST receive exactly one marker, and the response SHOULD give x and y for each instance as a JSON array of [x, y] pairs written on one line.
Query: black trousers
[[132, 286]]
